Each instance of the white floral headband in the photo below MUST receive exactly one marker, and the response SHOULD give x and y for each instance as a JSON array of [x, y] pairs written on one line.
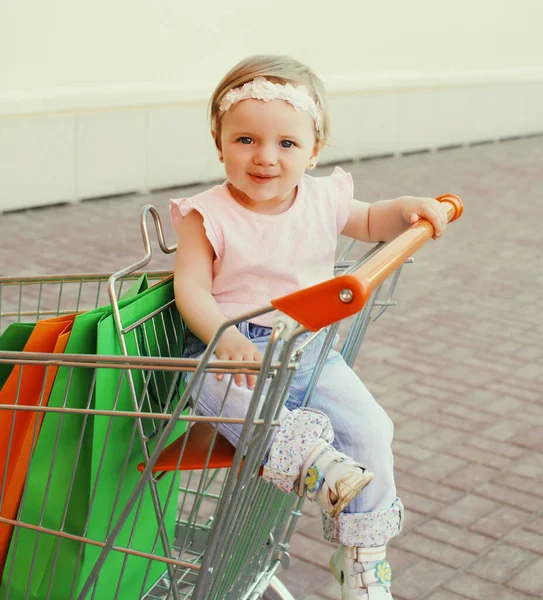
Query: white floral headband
[[262, 89]]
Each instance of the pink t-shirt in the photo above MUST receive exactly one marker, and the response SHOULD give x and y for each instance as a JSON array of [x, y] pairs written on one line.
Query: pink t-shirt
[[259, 257]]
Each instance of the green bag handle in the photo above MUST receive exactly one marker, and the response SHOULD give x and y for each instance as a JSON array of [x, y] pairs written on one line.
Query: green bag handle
[[147, 210]]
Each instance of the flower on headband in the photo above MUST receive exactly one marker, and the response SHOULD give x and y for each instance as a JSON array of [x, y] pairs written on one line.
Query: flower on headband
[[262, 89]]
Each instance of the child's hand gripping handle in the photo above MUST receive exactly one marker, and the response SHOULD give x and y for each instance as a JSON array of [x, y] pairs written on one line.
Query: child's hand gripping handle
[[320, 305]]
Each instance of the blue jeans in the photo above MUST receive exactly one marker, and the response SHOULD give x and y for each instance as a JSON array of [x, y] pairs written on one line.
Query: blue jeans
[[361, 426]]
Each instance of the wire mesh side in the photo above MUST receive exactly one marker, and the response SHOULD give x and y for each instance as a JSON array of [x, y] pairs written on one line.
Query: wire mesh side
[[29, 299]]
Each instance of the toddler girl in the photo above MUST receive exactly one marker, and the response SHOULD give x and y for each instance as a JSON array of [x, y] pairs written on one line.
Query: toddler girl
[[268, 231]]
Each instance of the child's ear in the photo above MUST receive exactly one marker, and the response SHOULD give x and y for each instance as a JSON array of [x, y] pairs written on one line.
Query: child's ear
[[314, 155], [317, 149]]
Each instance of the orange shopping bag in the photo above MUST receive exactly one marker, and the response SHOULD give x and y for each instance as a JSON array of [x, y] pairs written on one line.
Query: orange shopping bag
[[25, 386]]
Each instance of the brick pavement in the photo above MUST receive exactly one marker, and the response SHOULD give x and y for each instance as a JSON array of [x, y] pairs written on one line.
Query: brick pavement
[[458, 365]]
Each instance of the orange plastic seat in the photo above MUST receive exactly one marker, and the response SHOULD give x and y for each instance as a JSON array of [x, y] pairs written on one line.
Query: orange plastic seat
[[196, 451]]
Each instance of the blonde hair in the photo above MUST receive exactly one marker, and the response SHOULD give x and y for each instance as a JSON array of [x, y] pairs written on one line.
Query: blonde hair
[[277, 69]]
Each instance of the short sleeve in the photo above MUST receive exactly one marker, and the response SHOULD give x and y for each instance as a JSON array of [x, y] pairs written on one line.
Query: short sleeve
[[181, 207], [342, 188]]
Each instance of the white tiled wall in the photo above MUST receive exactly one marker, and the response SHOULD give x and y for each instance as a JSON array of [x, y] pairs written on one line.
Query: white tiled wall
[[110, 152], [49, 158], [179, 146], [36, 160]]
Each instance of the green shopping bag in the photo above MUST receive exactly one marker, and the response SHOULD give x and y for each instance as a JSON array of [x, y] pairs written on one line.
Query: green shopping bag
[[156, 337], [13, 339], [63, 482]]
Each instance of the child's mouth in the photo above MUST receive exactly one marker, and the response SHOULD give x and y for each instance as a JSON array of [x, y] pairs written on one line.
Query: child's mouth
[[261, 178]]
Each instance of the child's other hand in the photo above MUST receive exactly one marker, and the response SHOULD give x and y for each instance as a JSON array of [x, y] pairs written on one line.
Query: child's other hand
[[235, 346], [426, 208]]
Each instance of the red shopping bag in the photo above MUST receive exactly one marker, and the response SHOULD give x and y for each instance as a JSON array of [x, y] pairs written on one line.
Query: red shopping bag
[[28, 385]]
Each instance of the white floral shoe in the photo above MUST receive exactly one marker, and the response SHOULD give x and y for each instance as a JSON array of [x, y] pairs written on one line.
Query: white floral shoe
[[363, 573], [325, 471]]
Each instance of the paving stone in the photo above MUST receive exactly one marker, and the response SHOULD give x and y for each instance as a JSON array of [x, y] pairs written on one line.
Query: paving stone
[[504, 405], [530, 465], [435, 550], [481, 456], [527, 539], [399, 559], [442, 440], [509, 496], [430, 390], [309, 525], [523, 484], [412, 367], [532, 438], [431, 489], [455, 536], [504, 430], [403, 463], [311, 550], [467, 510], [311, 509], [530, 352], [507, 450], [530, 579], [530, 415], [513, 389], [444, 595], [412, 519], [536, 526], [473, 475], [530, 371], [412, 430], [420, 406], [501, 563], [421, 579], [304, 578], [474, 588], [331, 589], [501, 522], [438, 467], [411, 451], [470, 414], [453, 422], [421, 504]]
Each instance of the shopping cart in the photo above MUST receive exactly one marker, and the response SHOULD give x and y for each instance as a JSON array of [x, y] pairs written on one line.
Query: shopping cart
[[188, 515]]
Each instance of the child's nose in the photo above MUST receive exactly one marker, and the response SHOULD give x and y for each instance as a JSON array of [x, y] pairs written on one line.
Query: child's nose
[[266, 155]]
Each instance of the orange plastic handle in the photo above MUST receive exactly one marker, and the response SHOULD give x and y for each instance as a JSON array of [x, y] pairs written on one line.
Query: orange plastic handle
[[338, 298]]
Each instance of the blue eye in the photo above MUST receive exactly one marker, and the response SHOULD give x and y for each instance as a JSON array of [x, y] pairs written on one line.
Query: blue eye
[[245, 140], [287, 144]]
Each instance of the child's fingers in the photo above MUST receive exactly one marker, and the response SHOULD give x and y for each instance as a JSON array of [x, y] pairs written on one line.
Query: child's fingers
[[239, 378], [222, 356], [435, 216], [220, 376], [251, 381]]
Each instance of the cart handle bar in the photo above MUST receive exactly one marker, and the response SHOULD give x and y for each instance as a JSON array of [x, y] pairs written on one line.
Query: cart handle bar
[[320, 305]]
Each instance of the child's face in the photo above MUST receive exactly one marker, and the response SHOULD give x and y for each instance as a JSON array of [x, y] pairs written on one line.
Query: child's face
[[266, 147]]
